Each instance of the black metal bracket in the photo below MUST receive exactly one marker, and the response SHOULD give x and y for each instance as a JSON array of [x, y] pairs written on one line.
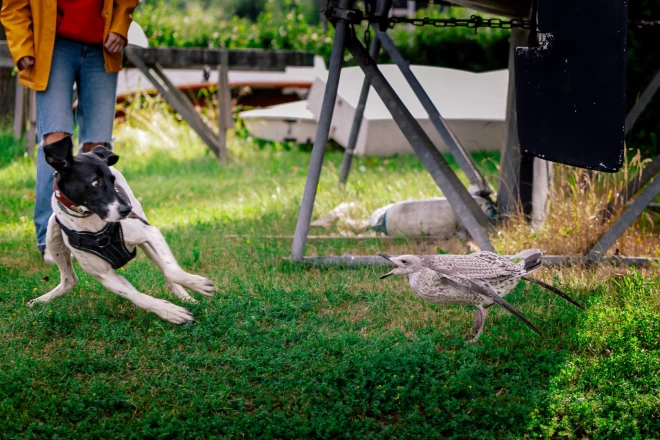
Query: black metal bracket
[[353, 16], [376, 13]]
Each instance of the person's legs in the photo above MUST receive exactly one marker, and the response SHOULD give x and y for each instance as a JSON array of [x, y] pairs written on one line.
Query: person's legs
[[97, 91], [54, 121]]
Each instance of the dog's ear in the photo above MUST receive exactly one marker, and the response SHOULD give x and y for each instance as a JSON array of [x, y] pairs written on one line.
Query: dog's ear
[[59, 155], [106, 155]]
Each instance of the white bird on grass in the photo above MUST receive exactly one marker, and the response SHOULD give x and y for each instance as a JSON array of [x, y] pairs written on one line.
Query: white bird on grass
[[480, 279]]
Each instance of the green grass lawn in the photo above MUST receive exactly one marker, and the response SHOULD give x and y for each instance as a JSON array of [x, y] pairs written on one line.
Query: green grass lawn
[[287, 352]]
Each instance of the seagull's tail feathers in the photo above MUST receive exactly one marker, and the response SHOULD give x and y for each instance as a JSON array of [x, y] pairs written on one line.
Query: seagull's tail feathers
[[530, 259], [554, 290]]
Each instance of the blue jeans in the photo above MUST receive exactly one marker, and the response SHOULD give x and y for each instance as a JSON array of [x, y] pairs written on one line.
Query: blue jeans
[[83, 65]]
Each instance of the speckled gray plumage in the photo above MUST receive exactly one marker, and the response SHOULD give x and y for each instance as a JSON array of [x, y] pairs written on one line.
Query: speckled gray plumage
[[500, 274], [479, 279], [438, 289]]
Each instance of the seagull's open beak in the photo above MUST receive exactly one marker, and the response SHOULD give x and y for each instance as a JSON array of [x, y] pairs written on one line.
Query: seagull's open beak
[[388, 274], [387, 257]]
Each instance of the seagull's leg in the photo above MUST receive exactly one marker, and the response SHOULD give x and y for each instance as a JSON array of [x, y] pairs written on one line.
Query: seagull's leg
[[479, 320]]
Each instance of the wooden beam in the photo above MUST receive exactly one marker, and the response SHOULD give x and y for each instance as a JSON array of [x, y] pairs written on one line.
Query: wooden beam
[[225, 120], [176, 99], [7, 81], [239, 59], [19, 111], [5, 56]]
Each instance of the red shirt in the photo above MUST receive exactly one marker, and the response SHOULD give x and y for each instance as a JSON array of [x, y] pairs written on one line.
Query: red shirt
[[80, 20]]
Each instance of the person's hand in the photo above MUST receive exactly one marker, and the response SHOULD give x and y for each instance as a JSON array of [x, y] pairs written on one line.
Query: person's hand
[[114, 43], [25, 63]]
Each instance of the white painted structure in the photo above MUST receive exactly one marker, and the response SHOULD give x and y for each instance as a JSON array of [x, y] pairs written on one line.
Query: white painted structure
[[474, 105], [136, 36], [294, 80], [284, 122]]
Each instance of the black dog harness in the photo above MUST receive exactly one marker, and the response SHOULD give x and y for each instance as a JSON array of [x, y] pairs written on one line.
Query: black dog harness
[[108, 243]]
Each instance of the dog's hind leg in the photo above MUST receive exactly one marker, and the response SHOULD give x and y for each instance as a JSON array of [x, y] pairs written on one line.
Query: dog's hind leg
[[171, 268], [175, 288], [62, 257]]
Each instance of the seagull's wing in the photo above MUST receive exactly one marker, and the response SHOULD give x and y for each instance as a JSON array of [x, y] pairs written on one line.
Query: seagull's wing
[[484, 290], [480, 265]]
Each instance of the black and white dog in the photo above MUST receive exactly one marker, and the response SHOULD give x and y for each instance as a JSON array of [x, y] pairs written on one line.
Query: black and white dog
[[97, 218]]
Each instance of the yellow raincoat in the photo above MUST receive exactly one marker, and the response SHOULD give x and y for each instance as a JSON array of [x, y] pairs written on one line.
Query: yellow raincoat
[[30, 26]]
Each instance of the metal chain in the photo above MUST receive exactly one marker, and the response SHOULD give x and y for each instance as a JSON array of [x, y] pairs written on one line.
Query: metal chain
[[644, 24], [478, 22], [355, 16], [473, 22]]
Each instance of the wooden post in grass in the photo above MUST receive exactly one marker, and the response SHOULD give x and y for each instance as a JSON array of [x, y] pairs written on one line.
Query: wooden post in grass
[[225, 120], [19, 111]]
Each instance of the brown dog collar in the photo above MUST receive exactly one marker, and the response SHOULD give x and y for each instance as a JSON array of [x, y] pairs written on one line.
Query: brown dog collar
[[66, 202]]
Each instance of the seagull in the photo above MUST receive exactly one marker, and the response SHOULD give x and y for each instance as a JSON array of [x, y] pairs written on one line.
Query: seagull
[[480, 279]]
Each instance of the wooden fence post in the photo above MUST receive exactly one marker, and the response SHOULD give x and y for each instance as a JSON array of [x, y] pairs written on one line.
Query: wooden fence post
[[7, 87]]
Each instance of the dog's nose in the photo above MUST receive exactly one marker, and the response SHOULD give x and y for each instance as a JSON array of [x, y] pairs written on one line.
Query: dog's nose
[[124, 210]]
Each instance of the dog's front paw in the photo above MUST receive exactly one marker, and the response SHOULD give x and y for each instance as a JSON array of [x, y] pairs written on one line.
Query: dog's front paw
[[32, 302], [201, 285], [173, 313]]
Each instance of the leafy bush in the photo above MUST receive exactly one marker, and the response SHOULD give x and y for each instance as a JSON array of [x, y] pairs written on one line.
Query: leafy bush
[[609, 387], [275, 29]]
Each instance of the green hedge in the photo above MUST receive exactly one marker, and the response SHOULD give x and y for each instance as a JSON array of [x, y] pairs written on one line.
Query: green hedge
[[287, 27]]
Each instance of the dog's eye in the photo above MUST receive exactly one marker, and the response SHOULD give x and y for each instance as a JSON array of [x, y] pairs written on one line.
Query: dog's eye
[[95, 183], [404, 261]]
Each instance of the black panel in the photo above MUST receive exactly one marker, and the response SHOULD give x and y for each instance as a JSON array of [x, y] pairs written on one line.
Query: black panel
[[570, 91]]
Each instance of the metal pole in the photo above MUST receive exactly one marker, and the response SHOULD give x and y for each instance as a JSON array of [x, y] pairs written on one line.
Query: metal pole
[[635, 184], [548, 260], [357, 119], [508, 190], [642, 102], [322, 133], [467, 210], [627, 218], [448, 136], [651, 169]]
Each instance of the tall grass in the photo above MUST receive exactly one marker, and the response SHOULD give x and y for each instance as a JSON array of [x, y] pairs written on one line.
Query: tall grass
[[575, 219]]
